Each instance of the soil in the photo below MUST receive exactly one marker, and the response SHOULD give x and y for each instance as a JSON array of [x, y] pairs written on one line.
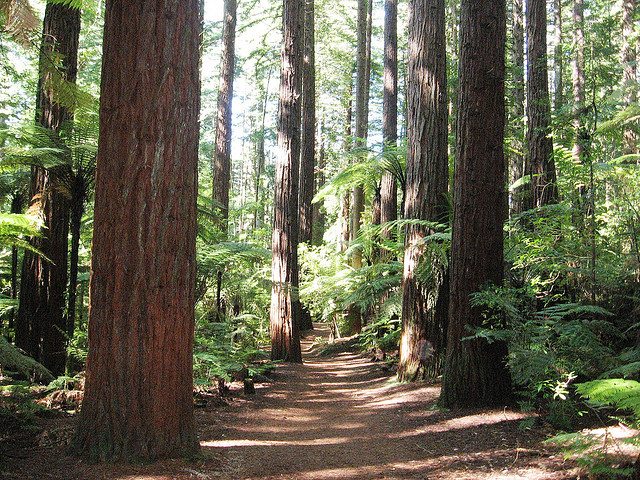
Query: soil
[[336, 417]]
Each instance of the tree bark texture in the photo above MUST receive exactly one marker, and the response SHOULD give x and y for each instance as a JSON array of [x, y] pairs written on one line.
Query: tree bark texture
[[363, 74], [138, 397], [475, 371], [517, 157], [308, 140], [41, 313], [424, 307], [222, 151], [541, 165], [285, 304], [629, 72], [308, 146], [389, 186]]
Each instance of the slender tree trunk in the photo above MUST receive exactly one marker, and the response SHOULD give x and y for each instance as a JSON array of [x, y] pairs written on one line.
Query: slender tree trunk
[[308, 142], [285, 304], [362, 113], [345, 204], [41, 314], [558, 54], [629, 75], [424, 307], [475, 371], [78, 199], [517, 157], [222, 152], [389, 186], [544, 189], [318, 214], [258, 217], [16, 207], [578, 80], [138, 395]]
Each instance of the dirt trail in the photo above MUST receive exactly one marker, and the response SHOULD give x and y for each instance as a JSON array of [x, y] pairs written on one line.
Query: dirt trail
[[338, 417]]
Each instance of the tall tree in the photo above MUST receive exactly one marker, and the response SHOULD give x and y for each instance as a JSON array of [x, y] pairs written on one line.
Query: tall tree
[[389, 186], [578, 80], [517, 159], [558, 56], [540, 163], [475, 371], [424, 311], [629, 71], [363, 73], [348, 143], [318, 213], [41, 321], [285, 304], [222, 153], [138, 396], [308, 141]]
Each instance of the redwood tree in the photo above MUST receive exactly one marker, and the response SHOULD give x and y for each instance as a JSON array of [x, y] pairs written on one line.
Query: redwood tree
[[389, 186], [424, 312], [138, 394], [629, 69], [517, 158], [541, 166], [41, 321], [308, 140], [222, 152], [475, 371], [285, 305]]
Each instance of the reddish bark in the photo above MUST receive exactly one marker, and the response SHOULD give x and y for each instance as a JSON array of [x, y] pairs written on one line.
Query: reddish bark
[[138, 395]]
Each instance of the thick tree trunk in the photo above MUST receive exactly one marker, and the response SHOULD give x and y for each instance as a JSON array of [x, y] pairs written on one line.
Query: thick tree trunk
[[285, 304], [41, 314], [363, 72], [308, 141], [138, 396], [629, 69], [424, 307], [541, 165], [517, 157], [475, 371], [389, 186]]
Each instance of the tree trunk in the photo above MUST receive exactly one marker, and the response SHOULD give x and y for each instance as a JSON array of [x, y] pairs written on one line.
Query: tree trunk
[[558, 54], [578, 80], [389, 186], [345, 204], [222, 152], [629, 66], [362, 113], [41, 319], [475, 371], [424, 307], [541, 165], [285, 304], [517, 157], [308, 142], [138, 396], [16, 207], [258, 217], [318, 214]]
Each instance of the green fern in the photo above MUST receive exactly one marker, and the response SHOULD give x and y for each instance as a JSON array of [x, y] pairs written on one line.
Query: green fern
[[617, 392]]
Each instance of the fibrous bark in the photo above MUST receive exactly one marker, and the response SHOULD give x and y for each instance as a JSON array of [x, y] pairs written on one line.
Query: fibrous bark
[[475, 371], [41, 321], [541, 165], [424, 307], [285, 304], [138, 395]]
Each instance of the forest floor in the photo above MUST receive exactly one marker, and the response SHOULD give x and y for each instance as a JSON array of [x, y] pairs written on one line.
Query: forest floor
[[335, 417]]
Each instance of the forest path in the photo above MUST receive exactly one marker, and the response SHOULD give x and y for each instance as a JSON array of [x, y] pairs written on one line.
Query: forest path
[[345, 417], [334, 417]]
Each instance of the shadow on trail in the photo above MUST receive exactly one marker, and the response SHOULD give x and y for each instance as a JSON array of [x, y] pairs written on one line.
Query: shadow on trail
[[344, 417]]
